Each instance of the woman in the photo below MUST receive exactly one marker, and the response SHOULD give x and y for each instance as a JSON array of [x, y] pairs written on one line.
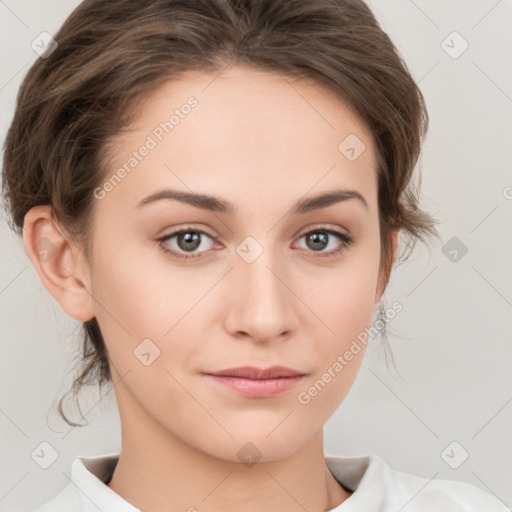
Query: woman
[[276, 138]]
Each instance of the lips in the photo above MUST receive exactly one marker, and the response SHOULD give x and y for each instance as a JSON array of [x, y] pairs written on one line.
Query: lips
[[255, 382], [251, 372]]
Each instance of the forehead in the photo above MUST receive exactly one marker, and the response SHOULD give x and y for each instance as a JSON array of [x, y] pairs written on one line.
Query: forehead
[[248, 130]]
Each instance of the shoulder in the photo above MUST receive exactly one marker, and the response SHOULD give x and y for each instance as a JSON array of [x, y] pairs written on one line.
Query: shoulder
[[86, 490], [378, 487], [421, 493], [66, 500]]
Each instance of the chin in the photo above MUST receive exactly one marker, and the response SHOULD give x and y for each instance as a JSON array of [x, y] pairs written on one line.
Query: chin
[[257, 446]]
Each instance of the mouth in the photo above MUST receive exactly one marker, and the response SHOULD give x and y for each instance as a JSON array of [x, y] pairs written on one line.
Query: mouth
[[258, 383]]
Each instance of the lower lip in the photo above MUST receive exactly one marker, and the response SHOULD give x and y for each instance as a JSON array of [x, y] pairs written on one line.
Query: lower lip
[[258, 388]]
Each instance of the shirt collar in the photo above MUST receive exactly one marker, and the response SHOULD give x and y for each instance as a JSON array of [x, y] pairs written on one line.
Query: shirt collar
[[368, 477], [89, 476]]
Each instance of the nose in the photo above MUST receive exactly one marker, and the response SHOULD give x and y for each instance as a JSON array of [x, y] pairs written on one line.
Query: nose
[[262, 304]]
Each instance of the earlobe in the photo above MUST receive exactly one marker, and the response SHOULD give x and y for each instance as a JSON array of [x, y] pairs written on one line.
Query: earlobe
[[56, 262], [395, 234], [385, 274]]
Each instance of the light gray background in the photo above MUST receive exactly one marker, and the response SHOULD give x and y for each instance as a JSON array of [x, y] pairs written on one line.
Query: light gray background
[[455, 379]]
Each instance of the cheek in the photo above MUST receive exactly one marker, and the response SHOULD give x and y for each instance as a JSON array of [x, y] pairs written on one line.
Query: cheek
[[346, 308], [135, 292], [137, 300], [344, 298], [345, 303]]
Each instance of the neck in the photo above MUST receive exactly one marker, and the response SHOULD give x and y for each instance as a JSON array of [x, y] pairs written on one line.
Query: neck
[[158, 472]]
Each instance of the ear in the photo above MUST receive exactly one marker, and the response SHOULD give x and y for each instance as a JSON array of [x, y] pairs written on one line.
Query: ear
[[58, 263], [384, 274]]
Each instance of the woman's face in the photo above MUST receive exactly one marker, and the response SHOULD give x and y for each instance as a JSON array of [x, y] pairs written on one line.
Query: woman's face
[[268, 283]]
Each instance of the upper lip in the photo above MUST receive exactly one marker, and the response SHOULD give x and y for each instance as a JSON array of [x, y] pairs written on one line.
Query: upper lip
[[252, 372]]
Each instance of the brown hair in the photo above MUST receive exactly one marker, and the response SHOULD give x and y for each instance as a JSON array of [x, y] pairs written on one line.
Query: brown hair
[[111, 53]]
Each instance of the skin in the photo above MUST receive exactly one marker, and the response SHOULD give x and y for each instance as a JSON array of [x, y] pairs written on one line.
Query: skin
[[262, 142]]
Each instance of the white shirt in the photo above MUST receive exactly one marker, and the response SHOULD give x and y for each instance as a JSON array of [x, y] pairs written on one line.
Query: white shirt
[[376, 487]]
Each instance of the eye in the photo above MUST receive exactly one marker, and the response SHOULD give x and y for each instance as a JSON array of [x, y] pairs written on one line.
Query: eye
[[319, 238], [187, 240]]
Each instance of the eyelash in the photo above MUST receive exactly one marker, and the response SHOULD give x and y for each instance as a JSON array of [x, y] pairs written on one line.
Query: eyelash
[[345, 242]]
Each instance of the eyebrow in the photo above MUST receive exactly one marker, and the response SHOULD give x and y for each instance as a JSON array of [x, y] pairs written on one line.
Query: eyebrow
[[217, 204]]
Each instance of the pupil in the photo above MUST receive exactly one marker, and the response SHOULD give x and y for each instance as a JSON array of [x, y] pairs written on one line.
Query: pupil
[[191, 239], [319, 240]]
